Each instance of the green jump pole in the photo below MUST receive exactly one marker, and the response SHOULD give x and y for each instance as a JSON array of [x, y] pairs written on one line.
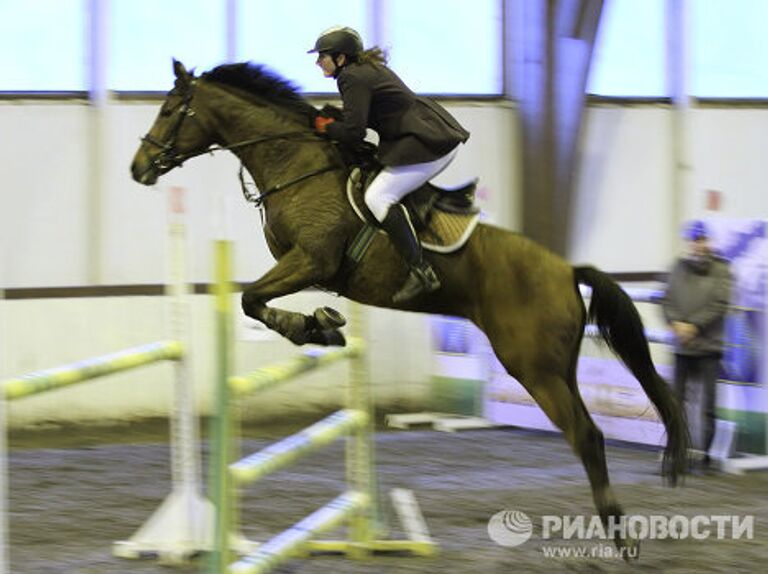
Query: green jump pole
[[221, 432]]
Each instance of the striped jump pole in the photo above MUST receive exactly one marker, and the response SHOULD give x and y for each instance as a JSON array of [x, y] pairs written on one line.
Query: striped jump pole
[[73, 373], [42, 381], [638, 295], [352, 507], [286, 544], [273, 375], [653, 335], [290, 449], [356, 507]]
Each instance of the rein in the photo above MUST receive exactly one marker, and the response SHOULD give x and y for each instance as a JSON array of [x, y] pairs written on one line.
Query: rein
[[169, 158], [258, 200], [250, 197]]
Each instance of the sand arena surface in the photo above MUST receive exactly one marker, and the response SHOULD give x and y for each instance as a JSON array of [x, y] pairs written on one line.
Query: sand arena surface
[[69, 503]]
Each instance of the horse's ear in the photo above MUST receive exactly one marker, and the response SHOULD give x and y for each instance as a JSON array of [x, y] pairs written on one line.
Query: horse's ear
[[180, 71]]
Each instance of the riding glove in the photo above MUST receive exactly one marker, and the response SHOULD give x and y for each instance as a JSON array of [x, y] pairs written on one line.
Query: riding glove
[[321, 124]]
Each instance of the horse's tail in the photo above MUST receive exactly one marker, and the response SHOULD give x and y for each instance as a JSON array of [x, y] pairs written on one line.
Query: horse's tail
[[619, 322]]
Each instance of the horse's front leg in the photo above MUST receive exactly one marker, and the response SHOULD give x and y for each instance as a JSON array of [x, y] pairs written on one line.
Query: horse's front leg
[[294, 271]]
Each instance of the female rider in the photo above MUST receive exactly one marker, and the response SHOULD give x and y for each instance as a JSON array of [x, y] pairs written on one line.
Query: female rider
[[418, 138]]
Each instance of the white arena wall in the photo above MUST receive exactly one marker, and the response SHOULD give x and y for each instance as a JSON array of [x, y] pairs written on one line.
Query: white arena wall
[[71, 216], [49, 332]]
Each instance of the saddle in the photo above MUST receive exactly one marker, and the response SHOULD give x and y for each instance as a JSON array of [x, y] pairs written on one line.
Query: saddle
[[443, 217]]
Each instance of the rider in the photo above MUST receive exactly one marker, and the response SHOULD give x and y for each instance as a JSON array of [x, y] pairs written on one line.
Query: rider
[[418, 138]]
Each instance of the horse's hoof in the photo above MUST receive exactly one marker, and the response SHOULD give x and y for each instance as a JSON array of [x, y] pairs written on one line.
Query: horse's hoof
[[328, 318], [335, 338], [327, 338]]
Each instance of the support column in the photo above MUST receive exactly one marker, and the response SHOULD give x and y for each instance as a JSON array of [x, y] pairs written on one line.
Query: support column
[[558, 37], [231, 35], [677, 84], [98, 54]]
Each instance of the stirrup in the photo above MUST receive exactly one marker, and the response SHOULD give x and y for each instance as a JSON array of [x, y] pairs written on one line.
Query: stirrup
[[420, 281]]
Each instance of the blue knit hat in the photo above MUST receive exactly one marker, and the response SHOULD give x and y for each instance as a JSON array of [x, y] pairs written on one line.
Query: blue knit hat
[[695, 230]]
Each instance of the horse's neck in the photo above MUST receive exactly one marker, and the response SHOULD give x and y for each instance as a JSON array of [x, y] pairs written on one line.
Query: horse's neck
[[240, 120]]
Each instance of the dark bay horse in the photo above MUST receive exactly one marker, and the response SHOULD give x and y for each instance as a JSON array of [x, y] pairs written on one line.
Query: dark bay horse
[[523, 297]]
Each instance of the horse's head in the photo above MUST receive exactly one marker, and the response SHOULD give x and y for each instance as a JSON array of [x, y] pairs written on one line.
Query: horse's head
[[176, 134]]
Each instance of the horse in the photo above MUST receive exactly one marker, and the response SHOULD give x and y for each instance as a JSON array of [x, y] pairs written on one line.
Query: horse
[[523, 297]]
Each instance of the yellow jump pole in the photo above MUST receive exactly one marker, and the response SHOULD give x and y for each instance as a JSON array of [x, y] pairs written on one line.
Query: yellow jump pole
[[279, 373], [290, 449], [288, 543], [221, 435], [73, 373]]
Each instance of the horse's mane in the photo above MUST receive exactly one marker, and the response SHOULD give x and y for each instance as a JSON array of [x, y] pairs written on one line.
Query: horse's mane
[[264, 83]]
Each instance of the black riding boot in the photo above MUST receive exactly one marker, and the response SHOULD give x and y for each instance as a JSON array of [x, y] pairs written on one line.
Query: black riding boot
[[421, 277]]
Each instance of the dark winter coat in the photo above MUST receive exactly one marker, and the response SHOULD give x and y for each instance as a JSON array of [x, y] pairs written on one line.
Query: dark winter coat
[[699, 292]]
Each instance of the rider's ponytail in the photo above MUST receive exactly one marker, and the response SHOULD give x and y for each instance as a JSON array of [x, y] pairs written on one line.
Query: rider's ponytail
[[374, 55]]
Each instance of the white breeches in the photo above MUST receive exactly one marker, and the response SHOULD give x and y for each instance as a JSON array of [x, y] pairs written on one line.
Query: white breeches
[[395, 182]]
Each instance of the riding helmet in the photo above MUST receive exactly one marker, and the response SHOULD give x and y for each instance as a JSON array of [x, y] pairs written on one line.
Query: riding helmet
[[339, 40]]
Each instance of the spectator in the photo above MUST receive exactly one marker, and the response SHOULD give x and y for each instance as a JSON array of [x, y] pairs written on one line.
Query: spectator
[[695, 304]]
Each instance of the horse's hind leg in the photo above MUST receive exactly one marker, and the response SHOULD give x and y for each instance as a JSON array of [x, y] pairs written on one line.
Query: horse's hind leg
[[294, 271], [561, 402]]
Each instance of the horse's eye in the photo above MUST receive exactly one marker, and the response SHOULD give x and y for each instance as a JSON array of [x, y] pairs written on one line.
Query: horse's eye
[[165, 111]]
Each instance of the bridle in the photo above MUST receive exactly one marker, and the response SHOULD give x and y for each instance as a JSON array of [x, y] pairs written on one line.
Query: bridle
[[169, 157]]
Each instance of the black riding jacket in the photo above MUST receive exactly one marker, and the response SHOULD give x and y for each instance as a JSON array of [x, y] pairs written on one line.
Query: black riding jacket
[[412, 129]]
